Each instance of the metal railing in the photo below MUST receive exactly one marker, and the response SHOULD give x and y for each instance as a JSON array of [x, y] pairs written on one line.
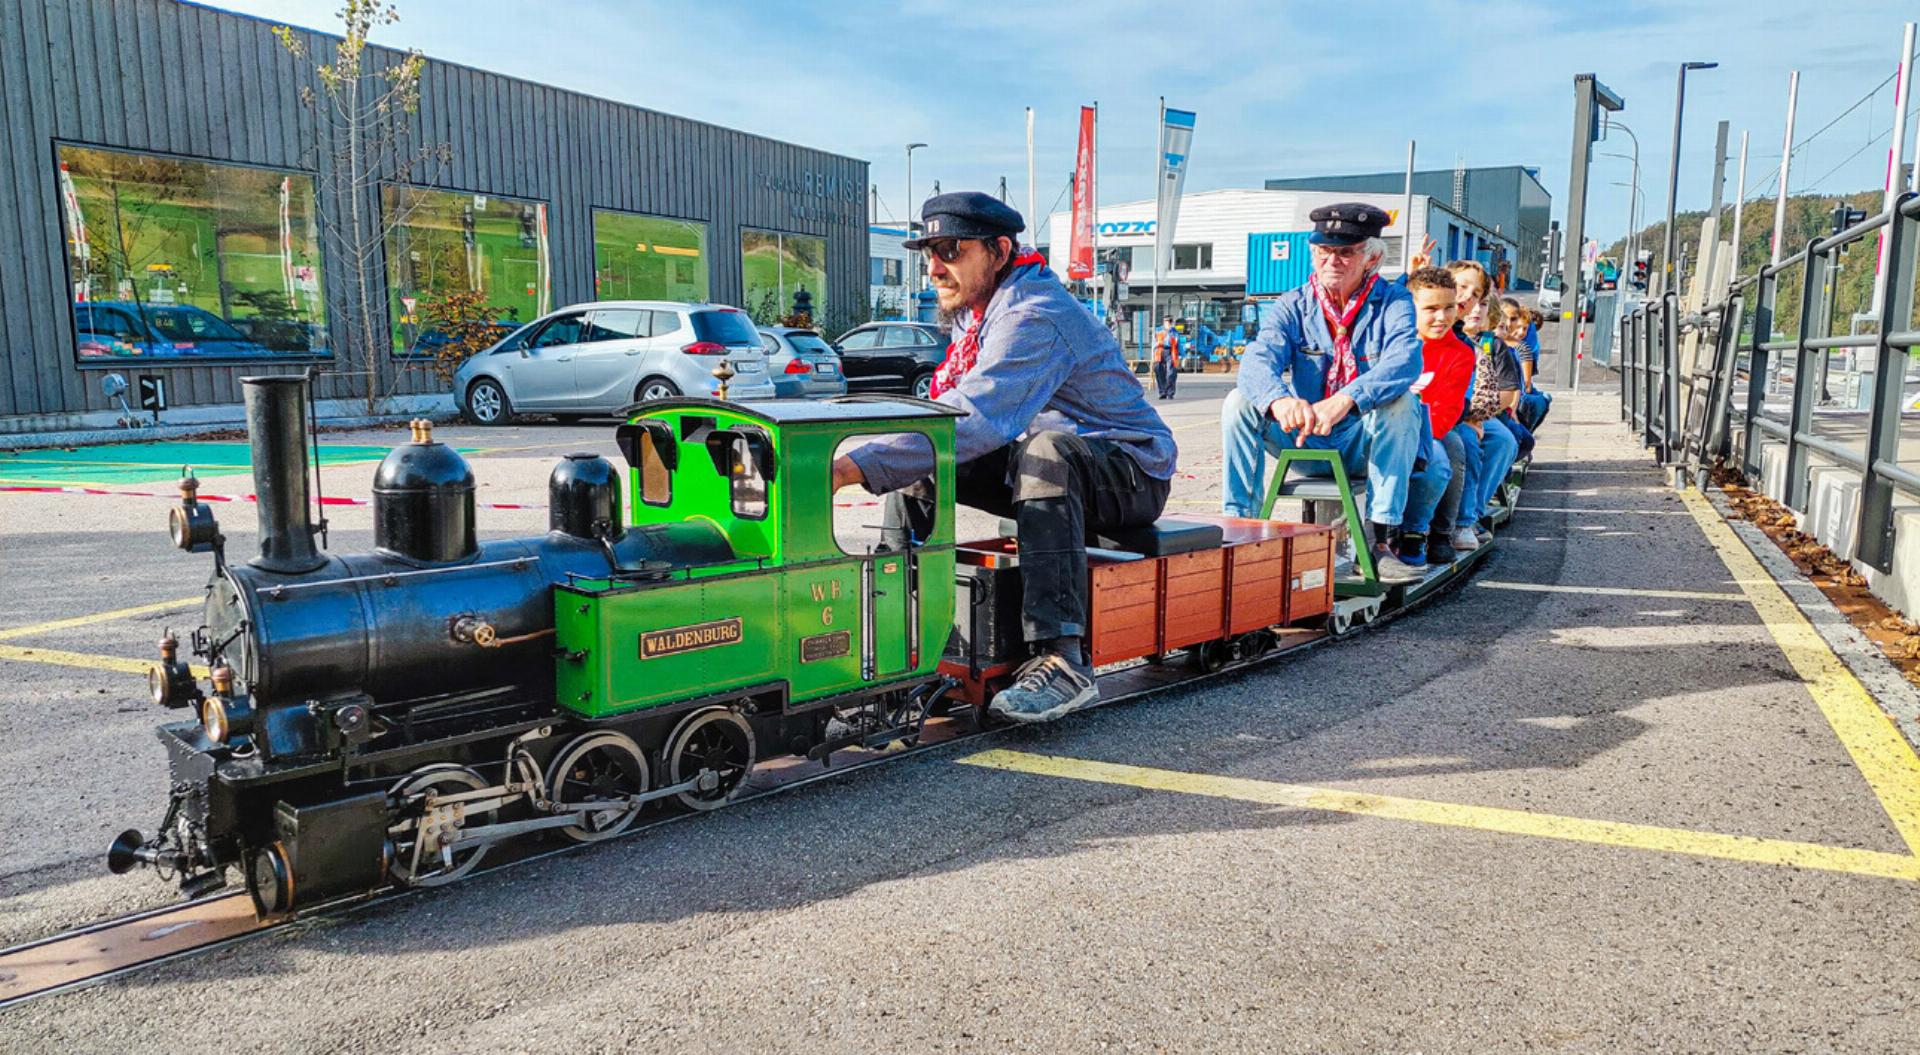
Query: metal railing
[[1727, 380]]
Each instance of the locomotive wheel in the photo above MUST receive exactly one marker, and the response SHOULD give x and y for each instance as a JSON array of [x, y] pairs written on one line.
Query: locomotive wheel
[[433, 868], [269, 880], [714, 739], [595, 768]]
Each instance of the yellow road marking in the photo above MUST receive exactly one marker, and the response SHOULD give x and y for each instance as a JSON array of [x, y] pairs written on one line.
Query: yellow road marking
[[1881, 754], [1745, 848], [97, 617], [1611, 591], [1578, 510], [86, 660]]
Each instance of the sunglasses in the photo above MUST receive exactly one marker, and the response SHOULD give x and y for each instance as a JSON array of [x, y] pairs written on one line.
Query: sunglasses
[[949, 248]]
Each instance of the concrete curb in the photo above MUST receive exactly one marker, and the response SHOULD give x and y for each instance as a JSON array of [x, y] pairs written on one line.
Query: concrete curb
[[1890, 689]]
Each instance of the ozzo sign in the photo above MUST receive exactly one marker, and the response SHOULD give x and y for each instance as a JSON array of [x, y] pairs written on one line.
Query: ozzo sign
[[816, 195]]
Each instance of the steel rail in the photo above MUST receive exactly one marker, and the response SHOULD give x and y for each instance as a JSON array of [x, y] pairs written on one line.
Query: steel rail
[[158, 919]]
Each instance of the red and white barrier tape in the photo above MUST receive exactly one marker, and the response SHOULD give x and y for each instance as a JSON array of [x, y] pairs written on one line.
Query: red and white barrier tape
[[329, 500]]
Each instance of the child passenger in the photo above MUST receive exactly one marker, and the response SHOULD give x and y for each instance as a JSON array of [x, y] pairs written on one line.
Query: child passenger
[[1496, 388], [1449, 362]]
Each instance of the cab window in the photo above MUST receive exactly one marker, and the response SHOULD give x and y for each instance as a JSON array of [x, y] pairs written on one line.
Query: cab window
[[857, 518], [748, 481], [656, 479]]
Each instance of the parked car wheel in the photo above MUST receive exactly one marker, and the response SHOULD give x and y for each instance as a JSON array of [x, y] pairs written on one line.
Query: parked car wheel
[[487, 403], [923, 385], [655, 388]]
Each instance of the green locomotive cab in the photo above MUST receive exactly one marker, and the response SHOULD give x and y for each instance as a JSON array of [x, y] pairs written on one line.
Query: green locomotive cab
[[798, 612]]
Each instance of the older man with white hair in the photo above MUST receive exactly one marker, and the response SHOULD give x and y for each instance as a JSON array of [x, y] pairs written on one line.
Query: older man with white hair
[[1333, 368]]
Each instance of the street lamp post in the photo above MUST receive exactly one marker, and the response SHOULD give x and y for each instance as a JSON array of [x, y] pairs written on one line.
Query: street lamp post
[[1669, 275], [1633, 228], [913, 259]]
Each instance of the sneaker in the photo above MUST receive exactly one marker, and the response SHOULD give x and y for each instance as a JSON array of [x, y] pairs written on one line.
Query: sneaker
[[1044, 689], [1464, 540], [1391, 569], [1439, 549]]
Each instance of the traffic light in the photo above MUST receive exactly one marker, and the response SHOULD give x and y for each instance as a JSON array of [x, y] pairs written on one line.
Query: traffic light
[[1845, 217], [802, 302], [1642, 264]]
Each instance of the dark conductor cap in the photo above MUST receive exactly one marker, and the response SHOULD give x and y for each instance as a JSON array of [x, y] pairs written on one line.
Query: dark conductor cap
[[1346, 223], [966, 214]]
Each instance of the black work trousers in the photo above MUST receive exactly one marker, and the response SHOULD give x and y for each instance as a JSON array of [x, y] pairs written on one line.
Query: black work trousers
[[1058, 488]]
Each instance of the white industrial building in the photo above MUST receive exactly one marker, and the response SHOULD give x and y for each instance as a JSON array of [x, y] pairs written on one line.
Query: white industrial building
[[1208, 278], [888, 260]]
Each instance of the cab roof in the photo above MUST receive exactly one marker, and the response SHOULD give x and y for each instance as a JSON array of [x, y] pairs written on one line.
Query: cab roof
[[784, 411]]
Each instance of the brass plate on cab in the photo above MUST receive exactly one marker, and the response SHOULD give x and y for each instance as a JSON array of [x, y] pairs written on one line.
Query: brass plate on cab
[[826, 646], [670, 642]]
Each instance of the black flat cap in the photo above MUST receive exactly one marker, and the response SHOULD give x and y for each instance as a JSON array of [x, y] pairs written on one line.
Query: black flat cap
[[966, 214], [1346, 223]]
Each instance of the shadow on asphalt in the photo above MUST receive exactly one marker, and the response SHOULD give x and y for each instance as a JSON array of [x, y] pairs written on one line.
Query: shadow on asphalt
[[925, 816]]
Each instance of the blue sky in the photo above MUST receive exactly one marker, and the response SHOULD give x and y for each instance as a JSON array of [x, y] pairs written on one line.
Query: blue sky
[[1281, 89]]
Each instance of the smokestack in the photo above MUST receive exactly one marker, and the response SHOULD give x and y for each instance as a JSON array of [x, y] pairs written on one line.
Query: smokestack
[[277, 434]]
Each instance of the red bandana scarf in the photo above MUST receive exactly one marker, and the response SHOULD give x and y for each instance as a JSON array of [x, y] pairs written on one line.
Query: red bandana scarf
[[962, 354], [1340, 323]]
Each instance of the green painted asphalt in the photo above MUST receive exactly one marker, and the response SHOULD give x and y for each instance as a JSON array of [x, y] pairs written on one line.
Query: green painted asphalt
[[135, 463]]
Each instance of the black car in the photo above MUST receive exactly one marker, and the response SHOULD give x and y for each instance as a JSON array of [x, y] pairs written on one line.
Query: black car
[[891, 356]]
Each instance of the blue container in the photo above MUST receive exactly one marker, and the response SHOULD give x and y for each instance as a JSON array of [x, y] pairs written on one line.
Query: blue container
[[1277, 263]]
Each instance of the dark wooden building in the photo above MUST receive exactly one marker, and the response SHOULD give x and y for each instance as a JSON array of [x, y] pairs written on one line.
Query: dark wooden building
[[164, 213]]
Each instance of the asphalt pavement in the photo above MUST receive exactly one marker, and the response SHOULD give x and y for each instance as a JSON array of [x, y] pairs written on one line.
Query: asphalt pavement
[[1586, 801]]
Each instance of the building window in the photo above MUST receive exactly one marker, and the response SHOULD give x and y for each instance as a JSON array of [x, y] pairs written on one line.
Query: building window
[[775, 266], [887, 271], [639, 257], [172, 258], [1193, 257], [442, 243]]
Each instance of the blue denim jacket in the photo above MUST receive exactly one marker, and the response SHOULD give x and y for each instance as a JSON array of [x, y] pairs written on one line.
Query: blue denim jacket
[[1045, 363], [1290, 356]]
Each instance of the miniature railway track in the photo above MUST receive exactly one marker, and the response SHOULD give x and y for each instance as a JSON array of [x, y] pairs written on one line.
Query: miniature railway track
[[112, 948]]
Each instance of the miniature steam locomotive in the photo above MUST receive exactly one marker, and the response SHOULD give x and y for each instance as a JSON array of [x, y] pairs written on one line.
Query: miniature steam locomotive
[[387, 717]]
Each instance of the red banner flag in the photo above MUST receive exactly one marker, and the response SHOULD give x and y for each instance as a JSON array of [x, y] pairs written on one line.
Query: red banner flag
[[1080, 255]]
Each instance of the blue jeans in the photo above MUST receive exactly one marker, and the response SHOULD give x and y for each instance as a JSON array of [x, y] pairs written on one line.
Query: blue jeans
[[1496, 451], [1521, 434], [1429, 486], [1380, 444], [1533, 408]]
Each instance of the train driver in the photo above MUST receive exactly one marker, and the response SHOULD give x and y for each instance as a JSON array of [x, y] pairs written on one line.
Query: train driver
[[1332, 369], [1058, 435]]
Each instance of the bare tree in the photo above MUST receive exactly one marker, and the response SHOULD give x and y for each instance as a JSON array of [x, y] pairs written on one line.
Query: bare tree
[[364, 140]]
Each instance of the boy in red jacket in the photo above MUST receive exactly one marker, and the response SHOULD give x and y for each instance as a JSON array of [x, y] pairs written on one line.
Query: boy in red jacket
[[1449, 361]]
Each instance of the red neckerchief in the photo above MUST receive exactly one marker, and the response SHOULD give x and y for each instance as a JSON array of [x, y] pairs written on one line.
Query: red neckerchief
[[1345, 368], [962, 354]]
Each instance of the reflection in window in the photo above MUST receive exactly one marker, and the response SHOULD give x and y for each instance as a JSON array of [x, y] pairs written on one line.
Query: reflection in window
[[639, 257], [450, 242], [656, 479], [175, 258], [776, 266], [616, 324], [749, 482]]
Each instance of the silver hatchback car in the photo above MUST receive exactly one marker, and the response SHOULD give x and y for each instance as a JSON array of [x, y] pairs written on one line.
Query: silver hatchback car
[[801, 364], [597, 358]]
